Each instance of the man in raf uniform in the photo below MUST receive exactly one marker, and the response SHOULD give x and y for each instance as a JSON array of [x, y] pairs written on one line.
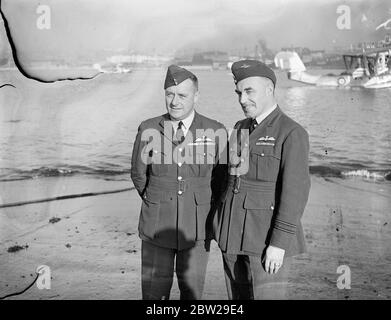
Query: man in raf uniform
[[176, 171], [259, 226]]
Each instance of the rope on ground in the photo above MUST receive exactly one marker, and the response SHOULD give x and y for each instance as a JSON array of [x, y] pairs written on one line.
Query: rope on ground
[[21, 292], [71, 196]]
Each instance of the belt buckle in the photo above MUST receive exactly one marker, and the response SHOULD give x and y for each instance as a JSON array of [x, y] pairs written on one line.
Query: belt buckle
[[237, 185], [181, 185]]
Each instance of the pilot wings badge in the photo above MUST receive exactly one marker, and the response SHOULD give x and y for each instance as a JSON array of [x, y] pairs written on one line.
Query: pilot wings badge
[[204, 141], [266, 141]]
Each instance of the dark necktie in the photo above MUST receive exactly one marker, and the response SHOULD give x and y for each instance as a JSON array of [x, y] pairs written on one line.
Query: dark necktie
[[253, 125], [180, 135]]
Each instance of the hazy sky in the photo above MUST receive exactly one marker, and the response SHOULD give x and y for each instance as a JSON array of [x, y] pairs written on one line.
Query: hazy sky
[[86, 27]]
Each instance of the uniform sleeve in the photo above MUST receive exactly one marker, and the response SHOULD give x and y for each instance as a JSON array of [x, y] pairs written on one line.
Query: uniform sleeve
[[138, 171], [235, 145], [218, 184], [294, 188], [220, 169]]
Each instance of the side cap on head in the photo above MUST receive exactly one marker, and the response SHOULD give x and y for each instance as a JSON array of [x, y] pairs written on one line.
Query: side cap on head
[[175, 75], [252, 68]]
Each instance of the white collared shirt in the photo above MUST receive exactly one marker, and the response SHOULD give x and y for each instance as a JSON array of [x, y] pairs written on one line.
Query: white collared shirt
[[186, 123], [263, 116]]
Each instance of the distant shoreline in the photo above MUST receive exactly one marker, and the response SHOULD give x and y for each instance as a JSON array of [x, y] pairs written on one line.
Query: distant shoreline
[[367, 174]]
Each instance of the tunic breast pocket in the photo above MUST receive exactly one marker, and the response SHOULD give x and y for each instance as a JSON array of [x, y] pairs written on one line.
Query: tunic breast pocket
[[267, 163], [204, 160], [159, 167]]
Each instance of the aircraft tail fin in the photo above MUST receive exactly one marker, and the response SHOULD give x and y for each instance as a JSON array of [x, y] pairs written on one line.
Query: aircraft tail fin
[[290, 61]]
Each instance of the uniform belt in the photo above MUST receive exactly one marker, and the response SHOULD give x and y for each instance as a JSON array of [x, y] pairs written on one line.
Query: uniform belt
[[174, 184], [237, 184]]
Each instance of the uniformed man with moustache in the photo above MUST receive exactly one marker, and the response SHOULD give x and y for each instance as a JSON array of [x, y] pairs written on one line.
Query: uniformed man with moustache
[[259, 226], [177, 195]]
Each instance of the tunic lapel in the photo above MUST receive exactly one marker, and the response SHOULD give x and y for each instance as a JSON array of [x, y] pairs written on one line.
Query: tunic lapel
[[167, 131], [196, 124]]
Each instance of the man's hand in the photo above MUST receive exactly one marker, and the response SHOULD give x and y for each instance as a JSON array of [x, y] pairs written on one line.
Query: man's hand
[[273, 259]]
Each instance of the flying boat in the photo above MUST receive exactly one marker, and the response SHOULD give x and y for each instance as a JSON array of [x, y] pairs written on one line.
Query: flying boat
[[368, 69]]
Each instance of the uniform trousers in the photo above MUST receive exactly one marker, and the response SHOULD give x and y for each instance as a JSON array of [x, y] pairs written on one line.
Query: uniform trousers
[[157, 268], [246, 278]]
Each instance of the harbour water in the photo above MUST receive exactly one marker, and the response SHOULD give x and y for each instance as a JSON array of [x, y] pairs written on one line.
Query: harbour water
[[87, 127]]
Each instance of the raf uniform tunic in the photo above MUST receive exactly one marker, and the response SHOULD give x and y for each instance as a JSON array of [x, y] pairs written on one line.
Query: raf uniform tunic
[[264, 205], [178, 196]]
